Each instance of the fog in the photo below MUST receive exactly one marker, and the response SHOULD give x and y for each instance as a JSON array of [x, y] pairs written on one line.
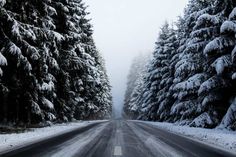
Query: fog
[[125, 28]]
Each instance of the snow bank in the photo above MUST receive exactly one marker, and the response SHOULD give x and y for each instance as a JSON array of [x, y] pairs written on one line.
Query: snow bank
[[14, 141], [217, 137]]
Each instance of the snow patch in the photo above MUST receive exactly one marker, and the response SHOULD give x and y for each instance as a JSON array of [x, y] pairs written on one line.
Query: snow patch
[[14, 141]]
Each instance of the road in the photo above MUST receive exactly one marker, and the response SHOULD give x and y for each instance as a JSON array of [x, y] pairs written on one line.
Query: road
[[118, 138]]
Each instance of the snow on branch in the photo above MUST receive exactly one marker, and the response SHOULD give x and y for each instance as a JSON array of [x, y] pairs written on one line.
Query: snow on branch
[[13, 49], [48, 104], [205, 20], [229, 118], [1, 72], [228, 27], [232, 15], [193, 83], [213, 84], [222, 63], [3, 60], [203, 120], [2, 3], [219, 45]]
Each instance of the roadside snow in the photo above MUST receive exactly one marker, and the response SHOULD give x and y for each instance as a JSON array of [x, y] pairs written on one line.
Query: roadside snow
[[153, 143], [14, 141], [217, 137]]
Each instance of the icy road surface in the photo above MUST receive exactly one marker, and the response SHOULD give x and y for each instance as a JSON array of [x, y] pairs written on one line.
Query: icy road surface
[[121, 139]]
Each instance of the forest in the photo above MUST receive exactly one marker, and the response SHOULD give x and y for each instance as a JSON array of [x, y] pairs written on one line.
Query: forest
[[191, 77], [50, 68]]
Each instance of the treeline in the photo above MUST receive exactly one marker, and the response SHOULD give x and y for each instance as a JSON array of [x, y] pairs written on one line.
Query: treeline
[[50, 69], [191, 79]]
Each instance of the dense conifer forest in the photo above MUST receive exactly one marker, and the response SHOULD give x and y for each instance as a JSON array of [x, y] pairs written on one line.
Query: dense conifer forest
[[50, 68], [190, 79]]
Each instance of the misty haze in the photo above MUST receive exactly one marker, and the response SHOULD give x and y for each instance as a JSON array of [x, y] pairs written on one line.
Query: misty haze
[[128, 78]]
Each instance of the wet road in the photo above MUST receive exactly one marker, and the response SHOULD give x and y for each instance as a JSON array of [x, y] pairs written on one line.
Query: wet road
[[118, 138]]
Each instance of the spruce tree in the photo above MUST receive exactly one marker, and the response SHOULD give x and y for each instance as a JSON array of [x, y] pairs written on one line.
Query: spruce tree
[[215, 100], [49, 66], [134, 85]]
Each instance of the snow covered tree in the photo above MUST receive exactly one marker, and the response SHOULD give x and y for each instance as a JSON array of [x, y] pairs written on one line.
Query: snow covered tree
[[134, 84], [24, 34], [166, 46], [103, 96], [221, 51], [157, 76], [82, 69], [191, 78], [47, 58], [215, 101]]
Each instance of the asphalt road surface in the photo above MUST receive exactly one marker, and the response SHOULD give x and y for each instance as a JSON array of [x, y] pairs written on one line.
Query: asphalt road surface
[[118, 138]]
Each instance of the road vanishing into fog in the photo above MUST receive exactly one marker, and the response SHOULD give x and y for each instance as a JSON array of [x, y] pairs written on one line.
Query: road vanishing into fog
[[118, 138]]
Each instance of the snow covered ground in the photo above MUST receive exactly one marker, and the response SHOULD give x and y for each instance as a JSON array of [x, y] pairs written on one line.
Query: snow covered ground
[[220, 138], [16, 140]]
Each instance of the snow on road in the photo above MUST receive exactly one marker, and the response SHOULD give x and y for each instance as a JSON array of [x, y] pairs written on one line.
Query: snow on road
[[77, 144], [221, 138], [155, 145], [17, 140]]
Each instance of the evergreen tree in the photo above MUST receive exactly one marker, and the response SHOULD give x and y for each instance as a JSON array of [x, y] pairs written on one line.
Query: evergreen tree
[[221, 52], [134, 80], [165, 95], [215, 100], [50, 69], [190, 68], [157, 70]]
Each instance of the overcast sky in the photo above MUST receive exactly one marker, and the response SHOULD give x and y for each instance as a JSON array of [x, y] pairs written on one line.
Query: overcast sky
[[126, 28]]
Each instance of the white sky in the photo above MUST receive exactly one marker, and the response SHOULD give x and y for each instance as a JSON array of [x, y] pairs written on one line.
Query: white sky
[[125, 28]]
